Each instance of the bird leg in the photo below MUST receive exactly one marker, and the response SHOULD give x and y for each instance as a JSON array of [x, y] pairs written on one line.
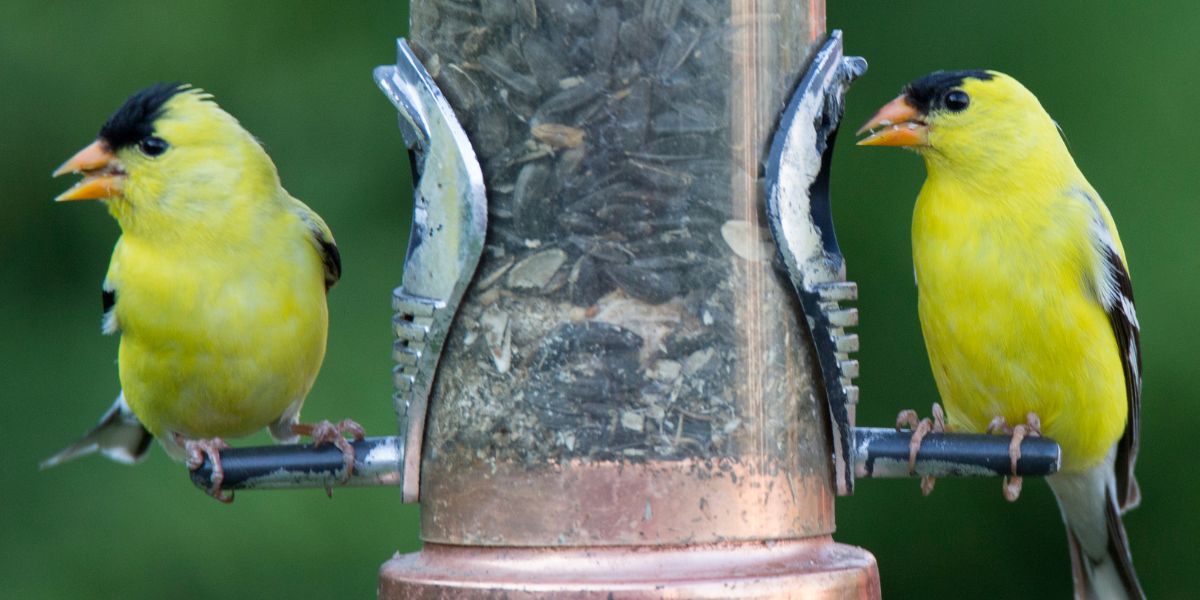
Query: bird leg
[[920, 428], [196, 451], [1032, 427], [325, 432]]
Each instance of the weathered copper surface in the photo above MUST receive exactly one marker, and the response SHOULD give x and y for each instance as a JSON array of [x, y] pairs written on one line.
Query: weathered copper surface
[[609, 503], [813, 568]]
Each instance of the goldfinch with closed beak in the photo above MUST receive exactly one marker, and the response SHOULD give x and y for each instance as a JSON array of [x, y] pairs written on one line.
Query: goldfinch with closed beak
[[1025, 300], [217, 284]]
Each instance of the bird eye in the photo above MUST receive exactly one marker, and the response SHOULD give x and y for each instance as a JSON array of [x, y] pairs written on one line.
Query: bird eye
[[153, 145], [956, 100]]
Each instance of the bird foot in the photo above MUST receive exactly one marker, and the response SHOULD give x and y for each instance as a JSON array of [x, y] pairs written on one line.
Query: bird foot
[[921, 428], [325, 432], [1032, 427], [197, 451]]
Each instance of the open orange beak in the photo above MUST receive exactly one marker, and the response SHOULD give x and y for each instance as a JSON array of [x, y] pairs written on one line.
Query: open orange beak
[[102, 174], [896, 124]]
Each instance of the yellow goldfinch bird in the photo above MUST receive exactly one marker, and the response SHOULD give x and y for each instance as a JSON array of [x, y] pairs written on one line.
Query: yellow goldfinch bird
[[217, 284], [1025, 299]]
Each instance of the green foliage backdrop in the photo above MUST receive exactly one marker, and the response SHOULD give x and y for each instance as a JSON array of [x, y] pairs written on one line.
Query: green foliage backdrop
[[1119, 80]]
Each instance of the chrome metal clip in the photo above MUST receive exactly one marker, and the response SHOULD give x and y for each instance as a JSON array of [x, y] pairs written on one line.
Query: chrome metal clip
[[800, 217], [448, 228]]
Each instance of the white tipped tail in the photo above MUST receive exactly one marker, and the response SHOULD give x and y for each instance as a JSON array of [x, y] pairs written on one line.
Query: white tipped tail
[[1101, 563], [119, 435]]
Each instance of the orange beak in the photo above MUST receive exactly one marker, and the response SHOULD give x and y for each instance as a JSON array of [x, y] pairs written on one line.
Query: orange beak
[[103, 177], [896, 124]]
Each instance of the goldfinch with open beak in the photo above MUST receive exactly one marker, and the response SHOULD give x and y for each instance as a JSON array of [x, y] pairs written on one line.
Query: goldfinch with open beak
[[217, 284], [1025, 300]]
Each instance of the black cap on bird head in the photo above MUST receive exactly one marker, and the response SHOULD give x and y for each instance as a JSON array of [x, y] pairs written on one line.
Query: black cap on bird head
[[927, 93], [134, 121]]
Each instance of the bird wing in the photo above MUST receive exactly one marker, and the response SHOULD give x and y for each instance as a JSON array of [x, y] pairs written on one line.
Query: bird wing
[[1123, 317], [1115, 292], [322, 239], [108, 303]]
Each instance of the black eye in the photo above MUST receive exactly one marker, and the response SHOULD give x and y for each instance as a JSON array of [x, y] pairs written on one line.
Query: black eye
[[956, 100], [153, 146]]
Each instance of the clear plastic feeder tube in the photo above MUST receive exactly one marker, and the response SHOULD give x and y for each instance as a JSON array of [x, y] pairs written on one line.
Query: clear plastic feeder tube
[[627, 360]]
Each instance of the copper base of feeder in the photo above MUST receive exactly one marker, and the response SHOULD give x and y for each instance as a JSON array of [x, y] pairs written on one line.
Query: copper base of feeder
[[808, 568], [624, 504]]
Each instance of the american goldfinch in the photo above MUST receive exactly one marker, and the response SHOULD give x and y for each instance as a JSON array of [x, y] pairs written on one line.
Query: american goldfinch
[[1025, 299], [217, 284]]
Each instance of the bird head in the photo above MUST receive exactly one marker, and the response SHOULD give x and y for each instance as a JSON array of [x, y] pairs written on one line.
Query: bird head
[[971, 118], [166, 148]]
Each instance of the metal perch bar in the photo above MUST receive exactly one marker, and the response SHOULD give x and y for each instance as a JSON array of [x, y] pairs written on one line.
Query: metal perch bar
[[880, 453], [376, 462], [884, 453]]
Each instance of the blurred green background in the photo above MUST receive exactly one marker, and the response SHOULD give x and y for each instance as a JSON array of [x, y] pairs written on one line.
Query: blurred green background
[[1120, 80]]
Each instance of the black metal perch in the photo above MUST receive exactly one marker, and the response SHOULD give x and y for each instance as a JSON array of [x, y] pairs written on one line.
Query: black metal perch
[[293, 466], [881, 453]]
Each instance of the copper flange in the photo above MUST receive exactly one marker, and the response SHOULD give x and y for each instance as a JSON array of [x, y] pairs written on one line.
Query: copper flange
[[809, 568]]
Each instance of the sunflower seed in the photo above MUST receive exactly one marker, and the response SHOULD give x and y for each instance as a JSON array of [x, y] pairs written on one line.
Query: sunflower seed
[[525, 85], [649, 286]]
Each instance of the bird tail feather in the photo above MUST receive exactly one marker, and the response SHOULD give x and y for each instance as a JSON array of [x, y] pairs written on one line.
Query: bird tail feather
[[119, 435], [1101, 562]]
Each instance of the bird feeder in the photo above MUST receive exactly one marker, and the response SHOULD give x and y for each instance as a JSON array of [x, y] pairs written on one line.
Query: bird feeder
[[626, 377], [622, 356]]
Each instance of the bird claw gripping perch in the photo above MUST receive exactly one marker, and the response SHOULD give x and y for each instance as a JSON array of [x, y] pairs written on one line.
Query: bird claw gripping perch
[[448, 228], [798, 210]]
